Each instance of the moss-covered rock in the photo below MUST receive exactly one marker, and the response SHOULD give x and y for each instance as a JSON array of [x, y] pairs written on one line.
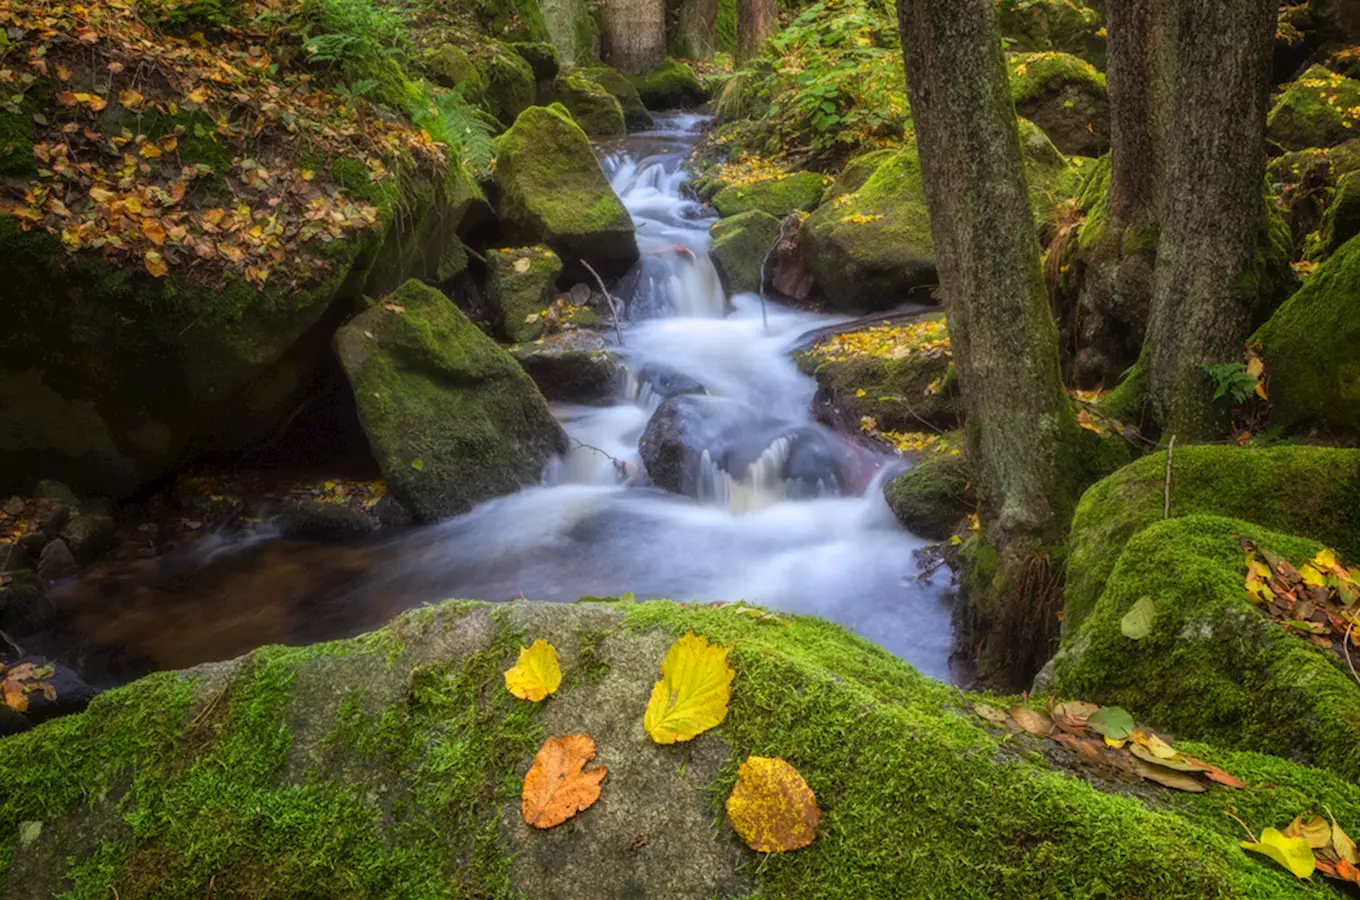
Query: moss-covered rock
[[740, 245], [1213, 667], [554, 192], [1317, 110], [451, 67], [871, 249], [933, 498], [1063, 25], [856, 172], [1341, 220], [596, 110], [671, 85], [390, 766], [543, 58], [1309, 347], [776, 196], [573, 29], [572, 367], [521, 284], [635, 115], [1066, 97], [1310, 491], [508, 82], [450, 416]]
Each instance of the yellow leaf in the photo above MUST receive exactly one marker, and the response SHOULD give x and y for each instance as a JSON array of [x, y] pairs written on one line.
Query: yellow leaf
[[1326, 560], [1311, 576], [1261, 390], [1292, 853], [154, 231], [150, 151], [692, 695], [536, 674], [101, 195], [198, 95], [131, 99], [155, 264], [1342, 843], [772, 807], [1158, 747], [1315, 831], [522, 264], [16, 700]]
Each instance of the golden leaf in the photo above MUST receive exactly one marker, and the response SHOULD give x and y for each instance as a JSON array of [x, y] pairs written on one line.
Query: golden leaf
[[1325, 560], [1031, 721], [155, 264], [101, 195], [1342, 843], [1316, 831], [536, 674], [1292, 853], [522, 264], [154, 231], [197, 95], [131, 99], [772, 807], [16, 700], [692, 695], [556, 786], [150, 151]]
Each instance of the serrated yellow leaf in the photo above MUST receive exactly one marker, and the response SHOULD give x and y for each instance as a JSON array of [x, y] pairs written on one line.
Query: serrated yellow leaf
[[1311, 576], [536, 674], [1292, 853], [692, 695]]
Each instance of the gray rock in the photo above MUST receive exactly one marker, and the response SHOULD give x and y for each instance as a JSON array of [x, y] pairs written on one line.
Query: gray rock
[[26, 606], [57, 562], [55, 521], [33, 542], [87, 536], [55, 490], [14, 506], [14, 558], [326, 522], [572, 367]]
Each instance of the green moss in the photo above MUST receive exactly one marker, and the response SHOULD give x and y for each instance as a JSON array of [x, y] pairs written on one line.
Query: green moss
[[543, 58], [779, 197], [596, 110], [451, 67], [1315, 111], [934, 498], [1033, 75], [522, 293], [635, 115], [741, 244], [1340, 222], [1213, 668], [915, 392], [1063, 25], [16, 141], [508, 82], [1308, 346], [725, 26], [671, 85], [1311, 491], [856, 173]]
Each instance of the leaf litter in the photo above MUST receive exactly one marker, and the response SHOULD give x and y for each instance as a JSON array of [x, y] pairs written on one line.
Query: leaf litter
[[1318, 600]]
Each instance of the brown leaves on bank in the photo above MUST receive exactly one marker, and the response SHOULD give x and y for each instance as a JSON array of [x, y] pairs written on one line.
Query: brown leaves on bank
[[557, 786], [18, 681], [1319, 600]]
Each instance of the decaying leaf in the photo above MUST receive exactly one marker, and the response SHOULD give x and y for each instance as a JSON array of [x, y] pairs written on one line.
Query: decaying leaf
[[536, 674], [692, 695], [522, 264], [1032, 721], [1342, 843], [993, 714], [1137, 622], [20, 680], [1172, 778], [1292, 853], [1317, 831], [155, 264], [772, 807], [557, 786]]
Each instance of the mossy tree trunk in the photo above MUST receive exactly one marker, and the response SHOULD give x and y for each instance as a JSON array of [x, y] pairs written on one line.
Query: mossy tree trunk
[[1206, 283], [755, 20], [633, 34], [1022, 431], [696, 29]]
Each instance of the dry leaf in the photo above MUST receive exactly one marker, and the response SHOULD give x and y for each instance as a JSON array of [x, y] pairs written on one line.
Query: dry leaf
[[556, 786], [772, 807], [522, 264], [155, 264], [993, 714], [1172, 778], [536, 674], [1032, 721], [692, 695], [1342, 843], [154, 231], [1316, 831]]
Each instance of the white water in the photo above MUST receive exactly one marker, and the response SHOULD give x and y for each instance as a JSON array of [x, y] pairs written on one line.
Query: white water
[[596, 529]]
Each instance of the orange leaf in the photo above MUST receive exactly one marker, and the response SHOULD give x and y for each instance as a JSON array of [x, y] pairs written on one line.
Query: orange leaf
[[154, 231], [556, 786], [198, 95], [131, 99], [15, 699], [155, 264], [772, 807]]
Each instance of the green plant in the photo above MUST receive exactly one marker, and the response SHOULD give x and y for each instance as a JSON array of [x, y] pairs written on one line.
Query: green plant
[[1231, 380], [465, 129], [353, 31]]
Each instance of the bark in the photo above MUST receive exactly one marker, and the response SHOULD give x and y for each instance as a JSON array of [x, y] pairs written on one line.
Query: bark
[[1022, 431], [633, 34], [696, 29], [755, 21], [1207, 280]]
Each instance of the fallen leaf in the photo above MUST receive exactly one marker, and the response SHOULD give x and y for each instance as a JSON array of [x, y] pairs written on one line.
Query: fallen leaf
[[993, 714], [1342, 843], [556, 786], [418, 464], [1172, 778], [772, 807], [1032, 721], [1113, 722], [155, 264], [154, 231], [1217, 775], [536, 674], [692, 695], [197, 95], [1316, 831], [1292, 853], [522, 264], [1137, 622], [131, 99]]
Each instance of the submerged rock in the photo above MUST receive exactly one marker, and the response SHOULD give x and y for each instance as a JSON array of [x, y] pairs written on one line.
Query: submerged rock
[[572, 367], [324, 522], [450, 416], [57, 562]]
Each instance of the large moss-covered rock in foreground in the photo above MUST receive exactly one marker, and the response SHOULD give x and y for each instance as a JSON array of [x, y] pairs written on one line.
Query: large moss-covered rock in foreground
[[1309, 491], [671, 85], [554, 192], [1315, 111], [390, 766], [635, 115], [1213, 667], [450, 416], [740, 246], [1309, 346], [521, 284], [596, 110], [871, 249], [776, 196], [1066, 97]]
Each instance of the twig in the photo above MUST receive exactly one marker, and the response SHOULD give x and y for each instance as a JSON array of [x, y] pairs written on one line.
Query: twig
[[1243, 824], [475, 255], [619, 465], [609, 298], [9, 640], [1166, 491], [1346, 649], [212, 883], [203, 713]]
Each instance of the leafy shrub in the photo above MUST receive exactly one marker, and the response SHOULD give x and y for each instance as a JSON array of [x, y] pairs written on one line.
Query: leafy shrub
[[350, 32]]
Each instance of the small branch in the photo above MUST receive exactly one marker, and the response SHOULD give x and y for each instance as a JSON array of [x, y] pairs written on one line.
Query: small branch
[[609, 298], [475, 254], [9, 640], [1243, 824], [1346, 649], [620, 466], [1166, 490]]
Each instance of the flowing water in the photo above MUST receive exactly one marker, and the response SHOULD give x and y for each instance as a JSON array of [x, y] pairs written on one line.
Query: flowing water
[[824, 546]]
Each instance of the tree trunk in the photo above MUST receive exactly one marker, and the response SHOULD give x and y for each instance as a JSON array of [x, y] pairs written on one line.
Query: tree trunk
[[696, 30], [1022, 431], [1207, 275], [755, 21], [633, 34]]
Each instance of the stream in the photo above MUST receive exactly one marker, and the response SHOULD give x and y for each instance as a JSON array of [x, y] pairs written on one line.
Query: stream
[[595, 527]]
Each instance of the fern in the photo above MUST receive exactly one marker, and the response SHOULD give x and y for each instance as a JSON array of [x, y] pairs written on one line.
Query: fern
[[344, 32], [465, 129]]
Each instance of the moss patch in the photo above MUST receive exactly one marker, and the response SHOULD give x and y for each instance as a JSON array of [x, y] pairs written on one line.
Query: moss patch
[[934, 498], [740, 246], [671, 85], [1317, 110], [635, 115], [778, 196], [596, 110], [522, 284], [1066, 97]]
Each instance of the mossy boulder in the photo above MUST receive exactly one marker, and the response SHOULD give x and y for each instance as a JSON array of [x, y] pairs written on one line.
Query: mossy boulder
[[871, 249], [451, 67], [450, 416], [1063, 25], [776, 196], [572, 367], [390, 765], [1310, 491], [543, 58], [1213, 667], [596, 110], [1309, 348], [508, 82], [740, 245], [1317, 110], [1341, 220], [554, 192], [671, 85], [1066, 97], [635, 115], [572, 29], [935, 496], [521, 284], [855, 173]]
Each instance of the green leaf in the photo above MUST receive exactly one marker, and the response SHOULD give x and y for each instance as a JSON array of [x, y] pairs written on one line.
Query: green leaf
[[418, 464], [1292, 853], [1137, 622], [1113, 722]]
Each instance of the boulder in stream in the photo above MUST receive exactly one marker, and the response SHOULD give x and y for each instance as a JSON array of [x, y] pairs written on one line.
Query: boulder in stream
[[571, 367], [671, 85], [635, 115], [521, 284], [777, 196], [595, 109], [740, 246], [450, 416]]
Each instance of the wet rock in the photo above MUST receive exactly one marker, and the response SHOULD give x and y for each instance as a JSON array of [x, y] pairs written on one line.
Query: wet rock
[[543, 58], [507, 82], [15, 506], [12, 722], [88, 535], [635, 115], [572, 367], [663, 383], [14, 558], [741, 244], [521, 285], [72, 693], [595, 109], [671, 85], [55, 521], [33, 542], [57, 562], [25, 603], [932, 499], [324, 522], [57, 492]]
